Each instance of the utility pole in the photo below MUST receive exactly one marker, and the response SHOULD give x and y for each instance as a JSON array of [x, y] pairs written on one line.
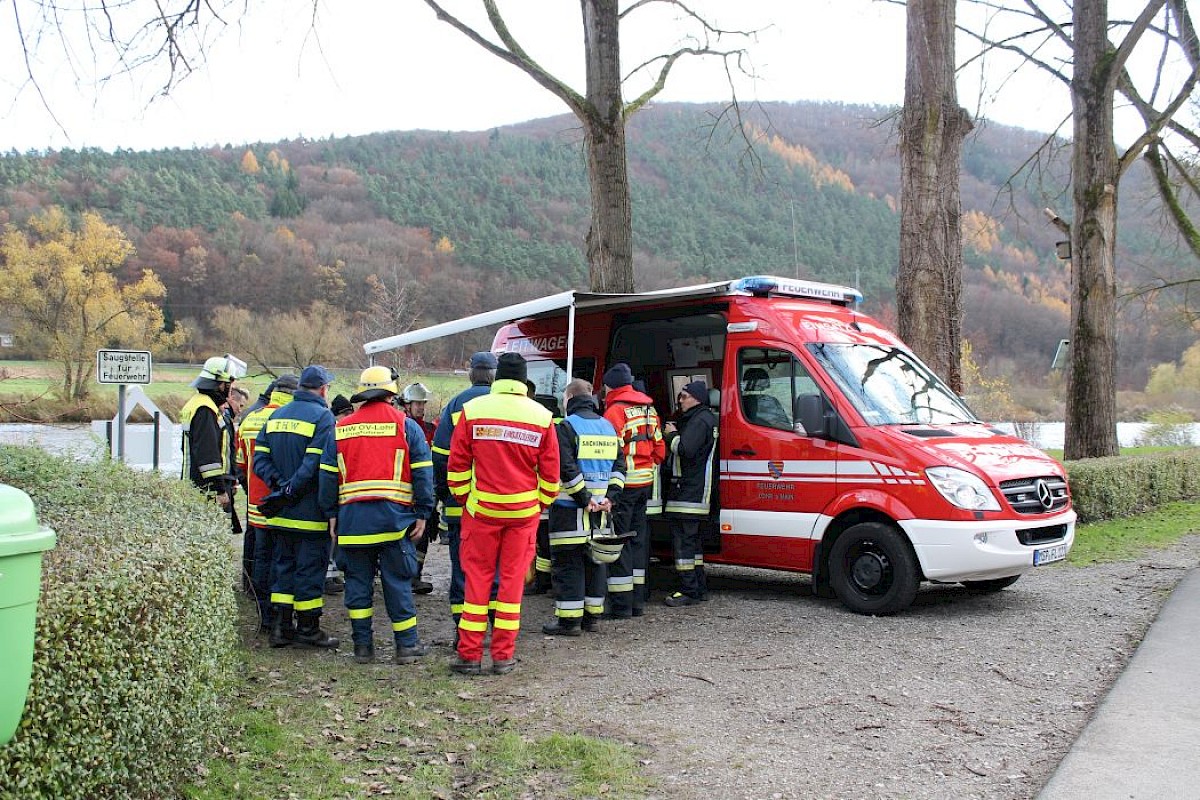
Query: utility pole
[[795, 245]]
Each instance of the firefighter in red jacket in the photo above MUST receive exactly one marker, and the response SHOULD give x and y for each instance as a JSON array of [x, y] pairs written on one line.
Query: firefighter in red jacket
[[385, 495], [633, 415], [503, 469]]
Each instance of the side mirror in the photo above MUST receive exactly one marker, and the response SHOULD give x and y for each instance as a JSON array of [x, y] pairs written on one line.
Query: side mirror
[[810, 416]]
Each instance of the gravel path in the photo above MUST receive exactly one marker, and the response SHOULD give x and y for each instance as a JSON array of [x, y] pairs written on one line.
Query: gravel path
[[768, 692]]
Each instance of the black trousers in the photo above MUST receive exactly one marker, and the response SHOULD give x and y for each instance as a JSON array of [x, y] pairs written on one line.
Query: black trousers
[[627, 588], [579, 584], [689, 556]]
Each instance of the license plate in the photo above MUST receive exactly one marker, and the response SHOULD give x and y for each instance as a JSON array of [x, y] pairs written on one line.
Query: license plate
[[1048, 555]]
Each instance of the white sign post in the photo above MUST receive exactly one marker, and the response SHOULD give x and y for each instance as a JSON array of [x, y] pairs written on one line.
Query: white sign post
[[122, 367]]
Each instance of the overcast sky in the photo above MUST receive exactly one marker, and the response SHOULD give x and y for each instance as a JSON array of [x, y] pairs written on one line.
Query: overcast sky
[[379, 65]]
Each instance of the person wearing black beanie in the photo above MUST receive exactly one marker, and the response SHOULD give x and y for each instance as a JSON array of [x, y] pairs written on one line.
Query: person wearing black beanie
[[618, 375], [512, 367], [503, 470]]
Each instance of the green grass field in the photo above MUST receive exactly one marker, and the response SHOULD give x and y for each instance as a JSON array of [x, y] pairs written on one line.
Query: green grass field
[[29, 391]]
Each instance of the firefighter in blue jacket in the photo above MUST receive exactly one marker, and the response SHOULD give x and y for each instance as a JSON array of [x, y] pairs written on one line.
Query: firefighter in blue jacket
[[385, 496], [483, 372], [592, 474], [296, 457]]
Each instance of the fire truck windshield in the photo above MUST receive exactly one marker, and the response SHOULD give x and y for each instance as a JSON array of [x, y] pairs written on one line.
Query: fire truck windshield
[[890, 386]]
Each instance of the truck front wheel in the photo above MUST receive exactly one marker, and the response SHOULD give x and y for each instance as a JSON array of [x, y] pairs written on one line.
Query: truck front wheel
[[873, 570]]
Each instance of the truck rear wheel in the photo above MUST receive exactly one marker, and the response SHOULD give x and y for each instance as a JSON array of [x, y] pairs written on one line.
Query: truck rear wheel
[[994, 585], [873, 570]]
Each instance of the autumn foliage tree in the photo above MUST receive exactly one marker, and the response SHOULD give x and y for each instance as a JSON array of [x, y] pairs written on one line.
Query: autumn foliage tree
[[59, 281]]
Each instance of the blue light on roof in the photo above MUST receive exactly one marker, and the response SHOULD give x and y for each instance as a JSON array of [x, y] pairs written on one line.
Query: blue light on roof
[[811, 290]]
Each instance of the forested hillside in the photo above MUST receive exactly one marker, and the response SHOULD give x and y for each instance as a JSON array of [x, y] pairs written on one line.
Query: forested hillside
[[470, 221]]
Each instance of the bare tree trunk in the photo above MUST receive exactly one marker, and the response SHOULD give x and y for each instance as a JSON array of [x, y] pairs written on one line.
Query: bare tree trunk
[[933, 126], [1091, 424], [610, 238]]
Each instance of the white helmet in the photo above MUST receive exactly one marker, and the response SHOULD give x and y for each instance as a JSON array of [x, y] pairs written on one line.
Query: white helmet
[[415, 393], [219, 369], [604, 547]]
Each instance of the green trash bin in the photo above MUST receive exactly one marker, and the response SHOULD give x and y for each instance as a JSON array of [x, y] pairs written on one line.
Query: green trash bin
[[22, 542]]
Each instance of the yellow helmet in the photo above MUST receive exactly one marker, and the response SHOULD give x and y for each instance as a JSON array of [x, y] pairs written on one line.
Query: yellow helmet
[[375, 383]]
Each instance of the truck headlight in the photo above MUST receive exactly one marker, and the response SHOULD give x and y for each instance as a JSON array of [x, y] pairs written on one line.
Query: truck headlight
[[962, 489]]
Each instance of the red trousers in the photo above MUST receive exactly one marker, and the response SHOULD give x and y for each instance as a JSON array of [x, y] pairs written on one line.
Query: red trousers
[[485, 546]]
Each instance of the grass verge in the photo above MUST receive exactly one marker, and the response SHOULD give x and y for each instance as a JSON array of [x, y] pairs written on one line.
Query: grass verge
[[312, 724], [1130, 537]]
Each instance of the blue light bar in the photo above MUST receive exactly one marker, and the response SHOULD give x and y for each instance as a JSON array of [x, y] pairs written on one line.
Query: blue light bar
[[769, 284]]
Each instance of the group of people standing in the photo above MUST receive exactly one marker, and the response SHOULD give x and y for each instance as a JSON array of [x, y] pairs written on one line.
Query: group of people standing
[[509, 478]]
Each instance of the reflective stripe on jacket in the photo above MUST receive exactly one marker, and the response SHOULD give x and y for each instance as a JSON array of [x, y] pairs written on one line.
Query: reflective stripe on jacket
[[691, 463], [205, 443], [589, 450], [637, 423], [296, 448], [386, 475], [252, 423], [504, 455], [441, 444]]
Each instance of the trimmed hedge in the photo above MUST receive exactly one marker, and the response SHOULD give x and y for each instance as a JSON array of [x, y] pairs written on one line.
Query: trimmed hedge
[[135, 633], [1105, 488]]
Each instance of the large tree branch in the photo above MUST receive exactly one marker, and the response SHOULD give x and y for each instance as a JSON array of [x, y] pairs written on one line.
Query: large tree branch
[[514, 55], [1008, 45], [1170, 195], [669, 62], [1132, 37]]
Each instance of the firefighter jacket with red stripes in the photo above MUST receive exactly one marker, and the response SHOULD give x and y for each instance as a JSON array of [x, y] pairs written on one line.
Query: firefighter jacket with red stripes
[[385, 475], [504, 455], [636, 420], [252, 423], [296, 449], [441, 444]]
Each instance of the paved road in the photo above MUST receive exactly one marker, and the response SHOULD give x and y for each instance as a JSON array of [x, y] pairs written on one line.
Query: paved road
[[1144, 741]]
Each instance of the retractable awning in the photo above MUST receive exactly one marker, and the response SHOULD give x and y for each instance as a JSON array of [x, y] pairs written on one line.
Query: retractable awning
[[549, 306], [570, 301]]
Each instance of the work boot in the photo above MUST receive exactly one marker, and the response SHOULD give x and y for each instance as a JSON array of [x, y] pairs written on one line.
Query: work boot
[[463, 667], [591, 623], [335, 584], [364, 653], [283, 632], [503, 666], [561, 627], [309, 633], [421, 586], [410, 655], [680, 599]]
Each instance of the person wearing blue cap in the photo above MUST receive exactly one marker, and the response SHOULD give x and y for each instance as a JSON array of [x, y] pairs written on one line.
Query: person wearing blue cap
[[482, 374], [296, 456]]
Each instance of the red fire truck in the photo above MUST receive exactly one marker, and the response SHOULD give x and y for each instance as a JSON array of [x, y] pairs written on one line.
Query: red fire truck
[[840, 454]]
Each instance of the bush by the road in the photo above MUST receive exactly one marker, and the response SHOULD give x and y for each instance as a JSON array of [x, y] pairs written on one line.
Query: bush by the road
[[135, 632], [1106, 488]]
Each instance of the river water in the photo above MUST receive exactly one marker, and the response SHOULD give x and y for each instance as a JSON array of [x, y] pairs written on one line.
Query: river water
[[89, 440]]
